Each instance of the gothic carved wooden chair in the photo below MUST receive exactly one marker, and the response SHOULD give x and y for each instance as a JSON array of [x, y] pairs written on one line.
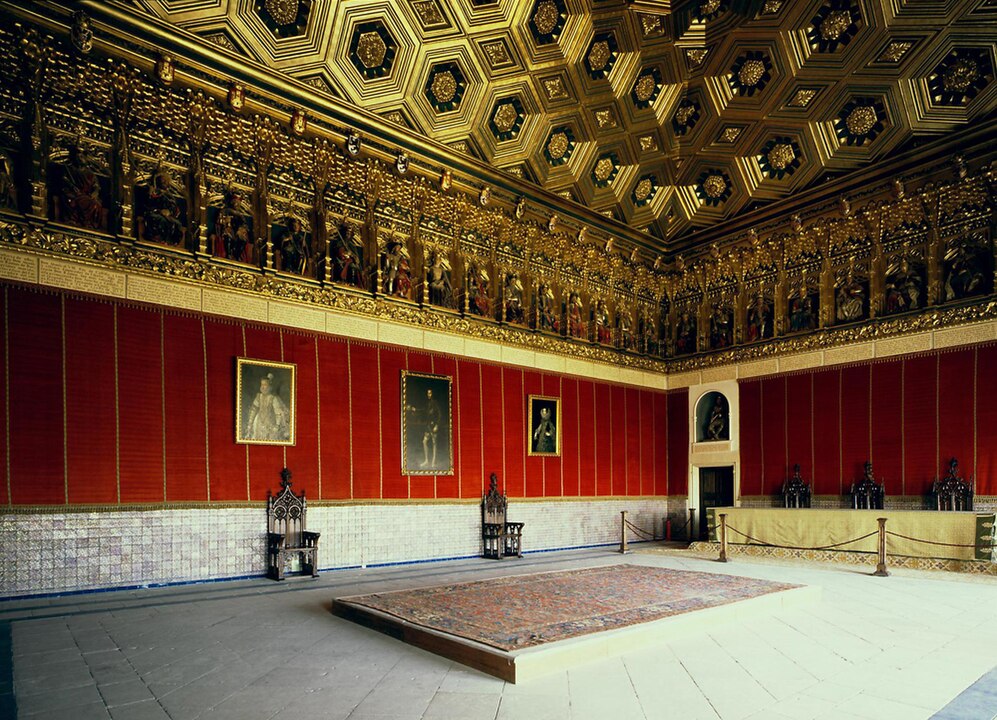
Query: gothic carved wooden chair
[[795, 492], [952, 493], [500, 537], [867, 494], [286, 534]]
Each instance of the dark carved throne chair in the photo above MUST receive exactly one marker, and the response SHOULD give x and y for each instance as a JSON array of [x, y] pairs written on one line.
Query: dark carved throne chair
[[286, 534], [500, 537], [867, 494], [952, 492], [795, 492]]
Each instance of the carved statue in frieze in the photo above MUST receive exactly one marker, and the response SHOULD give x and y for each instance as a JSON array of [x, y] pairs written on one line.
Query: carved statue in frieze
[[647, 330], [758, 323], [161, 207], [232, 227], [513, 297], [965, 271], [685, 334], [603, 330], [626, 330], [721, 326], [802, 313], [904, 289], [8, 188], [294, 246], [479, 301], [79, 197], [547, 319], [850, 297], [346, 256], [576, 320], [396, 270], [438, 280]]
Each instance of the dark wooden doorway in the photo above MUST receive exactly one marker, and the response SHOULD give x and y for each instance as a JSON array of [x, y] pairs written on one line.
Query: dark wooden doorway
[[716, 489]]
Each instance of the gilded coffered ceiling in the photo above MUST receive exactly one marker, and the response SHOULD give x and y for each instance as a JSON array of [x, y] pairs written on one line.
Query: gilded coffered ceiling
[[666, 116]]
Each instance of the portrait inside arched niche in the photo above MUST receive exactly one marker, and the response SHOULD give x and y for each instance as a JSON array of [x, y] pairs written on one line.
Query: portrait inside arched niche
[[712, 418]]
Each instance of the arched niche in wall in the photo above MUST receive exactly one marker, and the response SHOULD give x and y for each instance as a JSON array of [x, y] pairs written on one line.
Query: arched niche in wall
[[712, 417]]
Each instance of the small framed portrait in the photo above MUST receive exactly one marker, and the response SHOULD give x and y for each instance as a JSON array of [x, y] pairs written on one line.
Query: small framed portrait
[[264, 402], [544, 427], [427, 435]]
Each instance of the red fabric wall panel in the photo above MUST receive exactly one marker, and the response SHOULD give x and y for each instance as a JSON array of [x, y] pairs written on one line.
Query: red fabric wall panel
[[186, 429], [661, 442], [570, 448], [302, 457], [587, 445], [226, 460], [4, 499], [266, 461], [986, 421], [535, 469], [553, 466], [335, 453], [469, 427], [37, 474], [365, 389], [799, 424], [395, 485], [603, 418], [493, 426], [750, 395], [90, 403], [678, 442], [855, 438], [646, 464], [920, 417], [956, 416], [618, 439], [774, 459], [140, 405], [447, 486], [632, 430], [887, 424], [827, 437], [515, 431]]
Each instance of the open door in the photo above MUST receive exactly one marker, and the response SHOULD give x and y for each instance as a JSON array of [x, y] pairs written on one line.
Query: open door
[[716, 489]]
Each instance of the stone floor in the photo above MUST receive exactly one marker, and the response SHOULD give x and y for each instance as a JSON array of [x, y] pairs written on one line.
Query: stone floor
[[908, 646]]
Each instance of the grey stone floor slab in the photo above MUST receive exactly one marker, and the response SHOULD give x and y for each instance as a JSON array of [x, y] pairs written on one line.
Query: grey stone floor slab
[[908, 646]]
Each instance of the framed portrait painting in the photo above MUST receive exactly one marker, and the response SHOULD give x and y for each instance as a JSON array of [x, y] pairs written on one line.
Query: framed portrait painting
[[427, 435], [264, 402], [544, 426]]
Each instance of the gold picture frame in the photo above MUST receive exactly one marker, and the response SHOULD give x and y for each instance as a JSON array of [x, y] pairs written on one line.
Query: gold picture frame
[[543, 431], [265, 411], [427, 431]]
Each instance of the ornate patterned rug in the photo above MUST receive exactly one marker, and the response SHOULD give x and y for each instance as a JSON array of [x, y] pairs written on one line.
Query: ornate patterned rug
[[522, 611]]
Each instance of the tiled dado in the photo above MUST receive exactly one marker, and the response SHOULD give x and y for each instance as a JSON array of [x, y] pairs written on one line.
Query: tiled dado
[[64, 552], [75, 276]]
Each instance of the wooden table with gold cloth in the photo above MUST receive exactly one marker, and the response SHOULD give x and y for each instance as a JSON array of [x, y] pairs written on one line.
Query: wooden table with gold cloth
[[813, 528]]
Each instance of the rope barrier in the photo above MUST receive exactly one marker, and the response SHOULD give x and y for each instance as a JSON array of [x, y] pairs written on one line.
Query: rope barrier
[[794, 547], [981, 546], [641, 532]]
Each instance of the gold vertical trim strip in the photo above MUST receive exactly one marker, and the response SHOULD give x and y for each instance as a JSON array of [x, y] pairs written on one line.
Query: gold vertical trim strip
[[667, 450], [6, 388], [481, 422], [380, 436], [841, 468], [938, 425], [117, 414], [761, 432], [612, 455], [813, 441], [245, 353], [432, 369], [903, 429], [65, 405], [785, 421], [976, 372], [505, 478], [318, 417], [560, 460], [162, 388], [595, 443], [522, 394], [207, 422], [283, 449], [349, 402], [578, 434], [870, 413], [455, 399]]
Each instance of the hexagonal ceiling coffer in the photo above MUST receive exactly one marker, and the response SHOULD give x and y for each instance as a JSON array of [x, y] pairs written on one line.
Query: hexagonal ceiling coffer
[[506, 118], [547, 21], [713, 187], [372, 49], [646, 87], [779, 157], [686, 116], [960, 76], [284, 18], [559, 146], [605, 169], [710, 9], [601, 55], [644, 190], [445, 86], [750, 73], [860, 120], [834, 25]]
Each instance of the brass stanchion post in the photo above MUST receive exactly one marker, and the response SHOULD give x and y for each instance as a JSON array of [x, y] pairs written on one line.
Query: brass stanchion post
[[881, 565], [623, 532], [723, 537], [692, 522]]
